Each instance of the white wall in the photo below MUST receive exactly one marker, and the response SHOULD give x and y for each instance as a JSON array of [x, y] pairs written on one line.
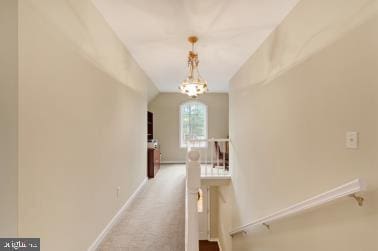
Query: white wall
[[8, 117], [82, 126], [314, 79], [166, 109]]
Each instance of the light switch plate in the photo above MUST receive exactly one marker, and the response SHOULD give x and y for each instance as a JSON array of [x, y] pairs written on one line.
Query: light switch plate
[[351, 140]]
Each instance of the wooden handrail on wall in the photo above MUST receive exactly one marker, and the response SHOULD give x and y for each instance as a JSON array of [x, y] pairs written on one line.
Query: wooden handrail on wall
[[347, 189]]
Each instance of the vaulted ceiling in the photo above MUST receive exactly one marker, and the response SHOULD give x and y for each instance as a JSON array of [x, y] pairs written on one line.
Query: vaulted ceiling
[[230, 31]]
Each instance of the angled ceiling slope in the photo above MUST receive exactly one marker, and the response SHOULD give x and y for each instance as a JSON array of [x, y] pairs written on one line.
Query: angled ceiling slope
[[155, 32]]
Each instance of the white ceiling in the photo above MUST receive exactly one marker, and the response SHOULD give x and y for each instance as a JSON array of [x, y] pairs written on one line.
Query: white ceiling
[[155, 32]]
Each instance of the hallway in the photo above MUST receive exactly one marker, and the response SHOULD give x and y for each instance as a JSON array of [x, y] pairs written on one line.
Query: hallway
[[156, 218], [270, 106]]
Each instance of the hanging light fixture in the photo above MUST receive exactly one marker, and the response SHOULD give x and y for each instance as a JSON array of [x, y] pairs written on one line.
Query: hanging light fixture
[[194, 84]]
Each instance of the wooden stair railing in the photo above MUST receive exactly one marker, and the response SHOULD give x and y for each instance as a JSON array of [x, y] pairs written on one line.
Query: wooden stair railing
[[222, 158]]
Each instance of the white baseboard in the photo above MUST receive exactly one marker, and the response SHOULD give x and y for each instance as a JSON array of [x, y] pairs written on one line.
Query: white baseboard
[[116, 218], [173, 162], [217, 240], [178, 162]]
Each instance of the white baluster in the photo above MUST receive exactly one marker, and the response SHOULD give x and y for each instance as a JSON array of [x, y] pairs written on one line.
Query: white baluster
[[212, 158], [224, 158]]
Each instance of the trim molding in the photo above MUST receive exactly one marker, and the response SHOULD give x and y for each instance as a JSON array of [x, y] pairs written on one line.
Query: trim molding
[[218, 241], [116, 218], [173, 162], [180, 162]]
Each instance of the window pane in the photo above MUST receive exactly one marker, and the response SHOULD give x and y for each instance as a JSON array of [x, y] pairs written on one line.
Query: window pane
[[193, 122]]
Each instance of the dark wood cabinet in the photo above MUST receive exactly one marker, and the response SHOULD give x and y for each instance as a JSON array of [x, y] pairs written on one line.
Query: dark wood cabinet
[[153, 165], [150, 126], [153, 153]]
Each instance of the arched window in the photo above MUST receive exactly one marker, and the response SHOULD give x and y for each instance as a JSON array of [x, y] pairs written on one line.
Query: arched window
[[193, 123]]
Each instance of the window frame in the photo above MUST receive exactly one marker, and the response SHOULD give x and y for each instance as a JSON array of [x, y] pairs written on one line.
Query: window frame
[[184, 144]]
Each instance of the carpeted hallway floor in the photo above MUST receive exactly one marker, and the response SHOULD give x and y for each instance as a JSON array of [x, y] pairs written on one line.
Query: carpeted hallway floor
[[156, 219]]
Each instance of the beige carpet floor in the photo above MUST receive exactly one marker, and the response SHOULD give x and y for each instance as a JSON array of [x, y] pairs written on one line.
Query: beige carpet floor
[[155, 221]]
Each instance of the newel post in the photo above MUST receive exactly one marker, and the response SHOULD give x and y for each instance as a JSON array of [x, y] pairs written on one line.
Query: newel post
[[193, 183]]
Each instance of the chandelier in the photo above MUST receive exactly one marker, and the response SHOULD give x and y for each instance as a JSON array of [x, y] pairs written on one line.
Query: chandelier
[[194, 84]]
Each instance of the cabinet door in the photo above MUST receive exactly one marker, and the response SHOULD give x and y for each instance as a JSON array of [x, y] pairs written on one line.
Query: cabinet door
[[150, 163]]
